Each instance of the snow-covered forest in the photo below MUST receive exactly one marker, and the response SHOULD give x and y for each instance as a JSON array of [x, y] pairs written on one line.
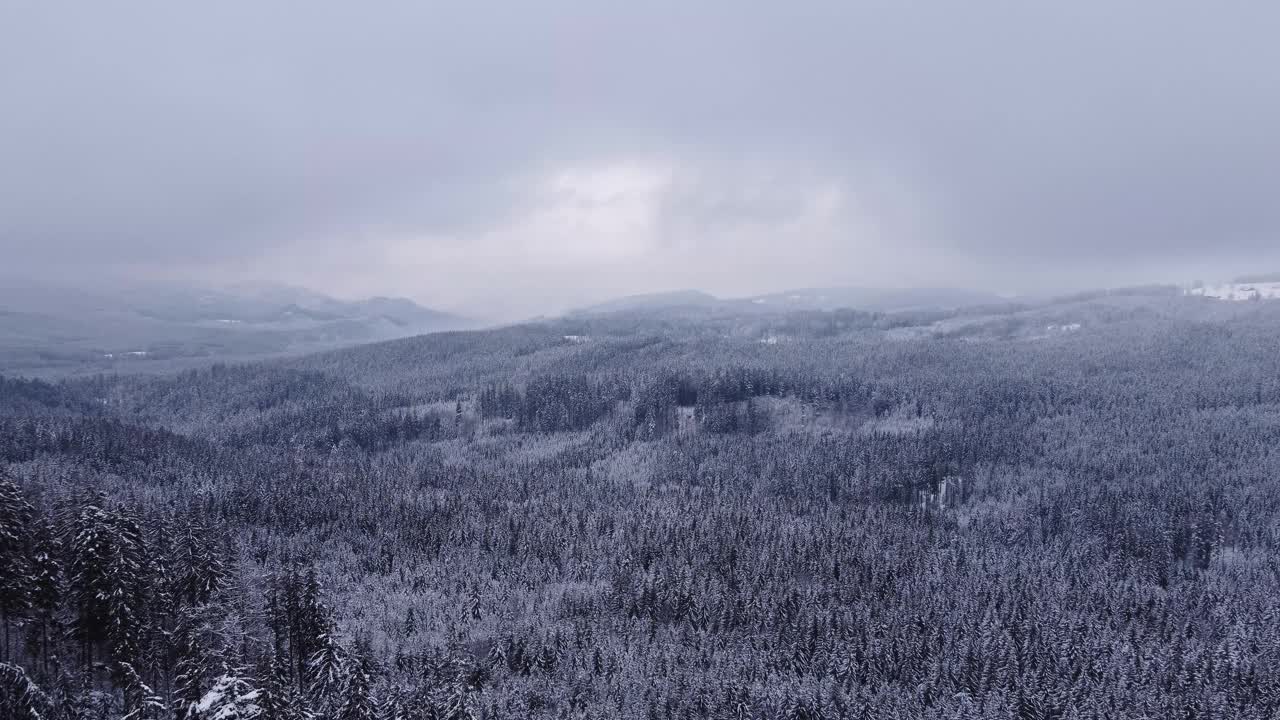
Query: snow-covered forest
[[1062, 510]]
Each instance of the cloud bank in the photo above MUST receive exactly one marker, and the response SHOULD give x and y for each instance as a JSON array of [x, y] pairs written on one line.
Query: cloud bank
[[520, 157]]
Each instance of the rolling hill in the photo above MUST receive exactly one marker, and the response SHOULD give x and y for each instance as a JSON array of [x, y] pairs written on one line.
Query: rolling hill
[[60, 331]]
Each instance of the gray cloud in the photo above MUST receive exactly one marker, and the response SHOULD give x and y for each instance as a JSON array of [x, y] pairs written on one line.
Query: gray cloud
[[556, 151]]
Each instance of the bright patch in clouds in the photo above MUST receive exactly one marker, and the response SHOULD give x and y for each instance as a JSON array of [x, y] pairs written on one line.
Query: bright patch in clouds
[[593, 231], [634, 226], [589, 215]]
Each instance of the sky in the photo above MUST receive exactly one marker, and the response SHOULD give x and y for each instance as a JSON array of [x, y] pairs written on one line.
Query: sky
[[519, 157]]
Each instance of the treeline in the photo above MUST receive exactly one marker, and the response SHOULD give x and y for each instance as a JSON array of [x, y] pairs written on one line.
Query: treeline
[[549, 404], [20, 397], [95, 439], [723, 400]]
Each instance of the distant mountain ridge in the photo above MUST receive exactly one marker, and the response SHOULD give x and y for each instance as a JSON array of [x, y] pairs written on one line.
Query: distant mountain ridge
[[651, 301], [283, 305], [108, 330], [829, 298], [877, 299], [1270, 277]]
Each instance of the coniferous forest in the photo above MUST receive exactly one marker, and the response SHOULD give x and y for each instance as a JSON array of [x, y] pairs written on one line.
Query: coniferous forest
[[1068, 510]]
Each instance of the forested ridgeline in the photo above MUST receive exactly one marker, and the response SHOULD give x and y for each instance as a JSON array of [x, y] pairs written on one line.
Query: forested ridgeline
[[812, 516]]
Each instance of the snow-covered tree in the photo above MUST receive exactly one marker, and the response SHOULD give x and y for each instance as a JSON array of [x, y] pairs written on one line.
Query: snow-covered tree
[[280, 698], [92, 548], [46, 592], [392, 707], [15, 565], [231, 698], [140, 701], [357, 701], [328, 670], [20, 698], [199, 566], [199, 652]]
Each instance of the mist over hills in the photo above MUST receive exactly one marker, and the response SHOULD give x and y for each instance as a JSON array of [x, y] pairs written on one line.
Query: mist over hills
[[52, 330], [828, 298], [651, 301], [878, 299]]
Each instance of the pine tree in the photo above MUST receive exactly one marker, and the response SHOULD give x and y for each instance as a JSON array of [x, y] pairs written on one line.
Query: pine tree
[[328, 671], [200, 569], [160, 656], [452, 701], [357, 702], [279, 621], [163, 558], [299, 620], [15, 577], [108, 579], [91, 549], [140, 701], [46, 596], [280, 699], [20, 698], [393, 707], [127, 605], [200, 653]]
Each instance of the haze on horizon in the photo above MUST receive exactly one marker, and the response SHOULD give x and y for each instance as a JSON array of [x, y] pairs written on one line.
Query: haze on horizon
[[511, 159]]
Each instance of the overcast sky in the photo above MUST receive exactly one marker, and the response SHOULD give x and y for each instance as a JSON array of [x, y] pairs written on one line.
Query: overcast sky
[[521, 156]]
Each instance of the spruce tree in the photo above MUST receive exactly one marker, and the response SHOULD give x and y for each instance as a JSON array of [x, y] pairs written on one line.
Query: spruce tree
[[15, 567], [328, 670], [357, 702], [199, 566], [20, 697], [46, 594], [140, 701], [130, 582], [280, 698], [91, 547], [200, 654]]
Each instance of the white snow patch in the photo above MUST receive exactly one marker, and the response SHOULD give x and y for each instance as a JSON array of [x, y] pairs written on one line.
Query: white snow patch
[[230, 699], [1239, 292], [1067, 328]]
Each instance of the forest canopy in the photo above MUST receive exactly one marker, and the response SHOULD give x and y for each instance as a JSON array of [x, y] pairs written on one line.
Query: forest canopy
[[1070, 510]]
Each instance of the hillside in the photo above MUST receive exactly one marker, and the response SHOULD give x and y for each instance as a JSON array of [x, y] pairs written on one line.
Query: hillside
[[1025, 511]]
